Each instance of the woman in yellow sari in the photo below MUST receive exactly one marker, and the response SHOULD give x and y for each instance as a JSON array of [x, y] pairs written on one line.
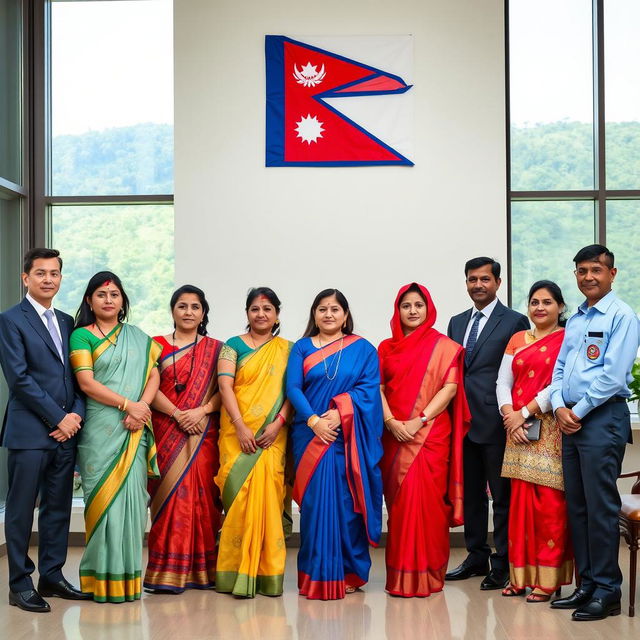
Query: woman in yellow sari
[[253, 445]]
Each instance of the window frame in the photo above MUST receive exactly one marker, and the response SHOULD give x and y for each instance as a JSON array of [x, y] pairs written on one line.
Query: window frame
[[42, 202], [599, 194]]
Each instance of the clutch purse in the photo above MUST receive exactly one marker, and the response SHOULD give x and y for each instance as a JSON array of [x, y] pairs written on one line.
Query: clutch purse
[[533, 429]]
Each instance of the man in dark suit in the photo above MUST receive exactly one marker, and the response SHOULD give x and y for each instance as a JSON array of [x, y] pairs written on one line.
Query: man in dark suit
[[484, 331], [43, 415]]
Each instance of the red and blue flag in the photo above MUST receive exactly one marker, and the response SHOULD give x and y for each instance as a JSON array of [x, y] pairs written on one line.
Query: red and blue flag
[[304, 127]]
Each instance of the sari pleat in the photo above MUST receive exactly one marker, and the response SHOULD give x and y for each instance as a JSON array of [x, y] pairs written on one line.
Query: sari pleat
[[252, 550], [114, 463], [185, 504]]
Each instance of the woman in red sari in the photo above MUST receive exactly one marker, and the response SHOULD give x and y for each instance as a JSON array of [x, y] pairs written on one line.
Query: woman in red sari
[[185, 502], [426, 417], [540, 553]]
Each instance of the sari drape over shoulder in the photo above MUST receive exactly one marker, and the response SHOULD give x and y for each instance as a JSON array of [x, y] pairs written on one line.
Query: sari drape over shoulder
[[185, 503], [540, 554], [338, 485], [114, 463], [252, 551], [423, 480]]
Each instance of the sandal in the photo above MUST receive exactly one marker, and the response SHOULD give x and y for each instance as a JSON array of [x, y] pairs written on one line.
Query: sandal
[[510, 591], [538, 597], [350, 589]]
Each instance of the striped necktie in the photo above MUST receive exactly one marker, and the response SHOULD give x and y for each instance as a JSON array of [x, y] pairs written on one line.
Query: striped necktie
[[473, 337]]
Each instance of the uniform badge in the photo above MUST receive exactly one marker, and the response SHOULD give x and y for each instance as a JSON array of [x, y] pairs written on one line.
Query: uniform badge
[[593, 352]]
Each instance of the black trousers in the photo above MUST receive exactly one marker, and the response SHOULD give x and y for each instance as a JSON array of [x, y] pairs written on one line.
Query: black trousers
[[482, 464], [48, 472], [591, 464]]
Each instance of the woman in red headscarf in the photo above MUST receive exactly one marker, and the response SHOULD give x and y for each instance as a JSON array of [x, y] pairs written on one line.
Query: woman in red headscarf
[[426, 417]]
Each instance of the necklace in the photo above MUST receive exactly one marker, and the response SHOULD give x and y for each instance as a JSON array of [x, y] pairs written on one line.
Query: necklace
[[532, 333], [253, 342], [106, 336], [327, 368], [179, 386]]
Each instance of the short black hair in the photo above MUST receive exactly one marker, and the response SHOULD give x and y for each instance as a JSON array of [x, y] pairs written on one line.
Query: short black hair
[[593, 252], [189, 288], [39, 253], [476, 263]]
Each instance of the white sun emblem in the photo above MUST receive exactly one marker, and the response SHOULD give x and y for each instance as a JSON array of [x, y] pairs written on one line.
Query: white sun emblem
[[309, 76], [309, 129]]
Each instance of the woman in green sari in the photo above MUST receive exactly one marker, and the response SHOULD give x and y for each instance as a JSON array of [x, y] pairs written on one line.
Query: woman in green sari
[[253, 446], [115, 365]]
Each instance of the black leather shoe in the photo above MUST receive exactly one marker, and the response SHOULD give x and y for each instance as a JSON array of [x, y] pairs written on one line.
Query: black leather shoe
[[596, 609], [495, 579], [575, 600], [61, 589], [29, 601], [467, 570]]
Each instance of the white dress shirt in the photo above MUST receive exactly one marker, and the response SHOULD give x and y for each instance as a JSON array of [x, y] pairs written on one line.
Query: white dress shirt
[[40, 311], [486, 314]]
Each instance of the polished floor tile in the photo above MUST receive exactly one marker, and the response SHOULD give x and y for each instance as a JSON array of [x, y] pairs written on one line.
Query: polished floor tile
[[460, 611]]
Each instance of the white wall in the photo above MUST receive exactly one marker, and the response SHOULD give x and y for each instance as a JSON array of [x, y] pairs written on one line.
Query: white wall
[[365, 230]]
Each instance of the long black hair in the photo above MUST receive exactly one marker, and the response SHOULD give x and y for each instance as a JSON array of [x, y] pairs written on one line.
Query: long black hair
[[556, 294], [312, 328], [85, 315], [189, 288], [271, 296]]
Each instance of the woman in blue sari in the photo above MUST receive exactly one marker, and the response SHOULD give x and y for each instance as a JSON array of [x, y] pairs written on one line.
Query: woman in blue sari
[[333, 381]]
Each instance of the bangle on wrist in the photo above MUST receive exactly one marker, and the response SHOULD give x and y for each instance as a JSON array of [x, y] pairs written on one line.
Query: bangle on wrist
[[423, 418], [387, 419], [173, 413], [123, 406], [279, 415], [524, 412], [146, 404], [236, 420], [313, 420]]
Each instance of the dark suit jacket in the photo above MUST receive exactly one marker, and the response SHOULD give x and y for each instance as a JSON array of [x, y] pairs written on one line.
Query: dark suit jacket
[[482, 372], [41, 387]]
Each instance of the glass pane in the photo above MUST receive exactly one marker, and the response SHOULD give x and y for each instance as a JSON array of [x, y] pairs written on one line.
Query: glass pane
[[622, 220], [11, 90], [551, 95], [133, 241], [10, 294], [622, 58], [544, 238], [112, 97]]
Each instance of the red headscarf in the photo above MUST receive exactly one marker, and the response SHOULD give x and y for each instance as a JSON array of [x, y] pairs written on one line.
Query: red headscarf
[[403, 359]]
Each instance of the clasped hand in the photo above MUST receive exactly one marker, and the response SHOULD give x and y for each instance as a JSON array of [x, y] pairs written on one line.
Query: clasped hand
[[404, 431], [514, 423], [191, 421], [67, 427], [327, 427], [138, 414]]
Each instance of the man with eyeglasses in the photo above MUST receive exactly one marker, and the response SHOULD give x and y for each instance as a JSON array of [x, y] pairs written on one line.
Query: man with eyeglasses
[[589, 395]]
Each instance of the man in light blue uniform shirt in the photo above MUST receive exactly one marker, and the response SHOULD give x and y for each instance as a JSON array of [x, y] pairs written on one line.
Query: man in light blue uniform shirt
[[589, 395]]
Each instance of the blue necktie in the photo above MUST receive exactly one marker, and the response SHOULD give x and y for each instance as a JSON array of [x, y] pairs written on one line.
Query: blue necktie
[[48, 314], [473, 336]]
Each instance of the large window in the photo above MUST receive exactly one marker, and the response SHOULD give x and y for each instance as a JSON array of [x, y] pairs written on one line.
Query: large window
[[574, 129], [12, 171], [109, 185]]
